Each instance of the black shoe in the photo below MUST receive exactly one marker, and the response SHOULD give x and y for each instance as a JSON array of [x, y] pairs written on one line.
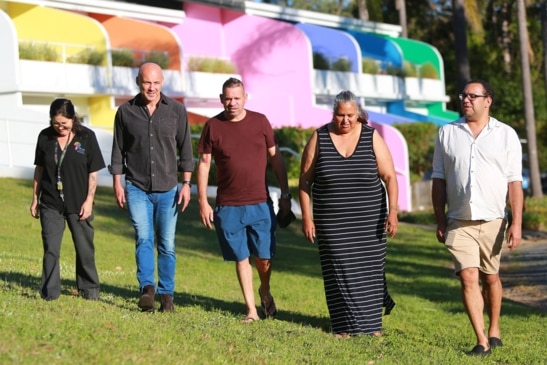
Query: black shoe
[[167, 303], [495, 342], [146, 301], [91, 294], [479, 350]]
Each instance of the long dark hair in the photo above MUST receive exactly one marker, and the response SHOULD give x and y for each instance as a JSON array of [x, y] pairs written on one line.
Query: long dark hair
[[65, 108]]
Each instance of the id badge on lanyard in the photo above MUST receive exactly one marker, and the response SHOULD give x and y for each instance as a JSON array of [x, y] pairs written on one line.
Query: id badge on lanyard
[[59, 162]]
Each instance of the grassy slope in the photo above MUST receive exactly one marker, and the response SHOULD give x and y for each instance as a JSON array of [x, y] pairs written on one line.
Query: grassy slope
[[428, 326]]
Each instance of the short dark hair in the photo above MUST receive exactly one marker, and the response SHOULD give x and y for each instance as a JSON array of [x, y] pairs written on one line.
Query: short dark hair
[[347, 96], [488, 89], [232, 82], [65, 108]]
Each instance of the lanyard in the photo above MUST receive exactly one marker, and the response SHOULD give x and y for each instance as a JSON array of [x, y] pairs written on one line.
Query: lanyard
[[59, 163]]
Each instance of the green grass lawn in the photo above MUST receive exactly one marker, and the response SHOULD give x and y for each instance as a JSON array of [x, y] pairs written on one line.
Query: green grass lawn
[[428, 325]]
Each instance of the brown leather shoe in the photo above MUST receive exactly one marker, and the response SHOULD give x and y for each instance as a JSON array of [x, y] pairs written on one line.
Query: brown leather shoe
[[146, 301], [167, 303]]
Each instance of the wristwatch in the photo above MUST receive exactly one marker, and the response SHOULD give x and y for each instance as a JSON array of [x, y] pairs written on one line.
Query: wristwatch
[[188, 182], [286, 196]]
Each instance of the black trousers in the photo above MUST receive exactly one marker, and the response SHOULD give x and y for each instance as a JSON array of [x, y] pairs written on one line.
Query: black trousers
[[53, 227]]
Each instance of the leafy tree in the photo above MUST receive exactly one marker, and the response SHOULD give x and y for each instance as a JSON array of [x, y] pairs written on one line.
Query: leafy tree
[[420, 138], [341, 64], [320, 62]]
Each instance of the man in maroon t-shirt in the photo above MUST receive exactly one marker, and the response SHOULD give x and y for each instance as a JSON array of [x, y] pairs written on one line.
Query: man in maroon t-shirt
[[240, 140]]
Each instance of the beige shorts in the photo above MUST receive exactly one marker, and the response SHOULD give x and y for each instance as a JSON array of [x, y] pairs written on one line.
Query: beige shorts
[[476, 244]]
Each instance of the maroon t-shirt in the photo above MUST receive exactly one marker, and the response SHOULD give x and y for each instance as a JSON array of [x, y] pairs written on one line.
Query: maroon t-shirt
[[239, 150]]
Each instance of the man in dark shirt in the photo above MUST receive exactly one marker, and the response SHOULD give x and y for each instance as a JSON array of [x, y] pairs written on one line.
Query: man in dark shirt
[[150, 132], [240, 142]]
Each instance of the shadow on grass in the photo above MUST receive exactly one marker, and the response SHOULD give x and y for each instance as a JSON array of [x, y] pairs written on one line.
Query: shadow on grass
[[29, 286], [416, 264]]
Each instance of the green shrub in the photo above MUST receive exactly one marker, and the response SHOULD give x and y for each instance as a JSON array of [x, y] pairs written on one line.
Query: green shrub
[[341, 64], [535, 214], [420, 139], [160, 58], [421, 217], [195, 130], [409, 69], [211, 65], [123, 58], [295, 139], [87, 57], [201, 64], [395, 71], [225, 67], [533, 221], [37, 52], [428, 71], [320, 62], [370, 66]]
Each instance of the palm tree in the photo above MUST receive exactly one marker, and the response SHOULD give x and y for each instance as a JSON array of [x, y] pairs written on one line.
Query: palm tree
[[528, 101]]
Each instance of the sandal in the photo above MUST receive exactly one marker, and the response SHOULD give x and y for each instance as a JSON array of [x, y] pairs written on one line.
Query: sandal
[[249, 319], [268, 305]]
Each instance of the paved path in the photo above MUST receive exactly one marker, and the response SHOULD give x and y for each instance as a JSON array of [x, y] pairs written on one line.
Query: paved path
[[524, 271]]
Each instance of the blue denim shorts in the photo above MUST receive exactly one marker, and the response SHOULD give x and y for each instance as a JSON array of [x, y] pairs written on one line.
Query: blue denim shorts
[[245, 230]]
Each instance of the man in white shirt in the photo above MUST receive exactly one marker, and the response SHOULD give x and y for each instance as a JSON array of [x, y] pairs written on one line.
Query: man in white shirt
[[477, 161]]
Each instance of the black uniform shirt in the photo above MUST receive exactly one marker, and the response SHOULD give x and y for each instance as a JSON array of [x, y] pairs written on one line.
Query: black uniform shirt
[[83, 156]]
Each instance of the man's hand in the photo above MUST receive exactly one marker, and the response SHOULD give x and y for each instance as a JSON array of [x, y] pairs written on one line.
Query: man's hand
[[441, 233], [184, 197], [514, 236], [207, 215], [119, 194]]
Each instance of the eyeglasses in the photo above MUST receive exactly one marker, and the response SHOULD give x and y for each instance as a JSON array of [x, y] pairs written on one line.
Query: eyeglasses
[[471, 96]]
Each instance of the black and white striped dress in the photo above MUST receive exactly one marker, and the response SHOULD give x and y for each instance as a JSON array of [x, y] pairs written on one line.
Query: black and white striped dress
[[349, 209]]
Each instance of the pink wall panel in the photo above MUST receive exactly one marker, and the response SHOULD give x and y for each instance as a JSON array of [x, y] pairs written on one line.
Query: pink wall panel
[[274, 59], [201, 33], [399, 152]]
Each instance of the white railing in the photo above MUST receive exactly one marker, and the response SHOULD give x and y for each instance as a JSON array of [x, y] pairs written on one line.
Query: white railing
[[379, 87], [204, 85], [18, 143], [421, 89], [382, 87]]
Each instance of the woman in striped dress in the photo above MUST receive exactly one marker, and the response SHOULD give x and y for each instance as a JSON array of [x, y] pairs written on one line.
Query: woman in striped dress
[[343, 167]]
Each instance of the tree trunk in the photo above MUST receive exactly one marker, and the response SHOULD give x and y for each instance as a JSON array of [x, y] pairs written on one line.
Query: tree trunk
[[401, 6], [528, 102], [463, 73], [543, 8], [363, 10], [506, 37]]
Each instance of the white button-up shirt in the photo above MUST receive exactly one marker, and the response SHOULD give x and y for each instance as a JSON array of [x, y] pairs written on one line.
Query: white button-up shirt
[[477, 170]]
